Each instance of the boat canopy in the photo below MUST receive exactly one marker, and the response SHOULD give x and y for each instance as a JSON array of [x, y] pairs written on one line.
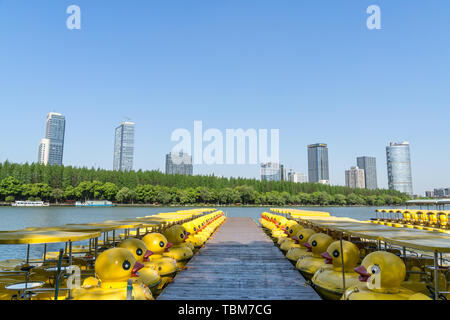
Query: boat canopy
[[43, 236], [298, 213], [411, 238]]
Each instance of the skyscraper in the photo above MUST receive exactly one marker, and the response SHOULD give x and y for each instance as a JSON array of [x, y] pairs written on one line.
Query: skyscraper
[[354, 178], [44, 148], [318, 163], [399, 167], [51, 149], [272, 171], [179, 163], [282, 172], [124, 147], [369, 165]]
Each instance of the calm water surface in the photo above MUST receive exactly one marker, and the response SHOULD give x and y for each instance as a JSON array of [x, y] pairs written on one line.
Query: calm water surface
[[13, 218]]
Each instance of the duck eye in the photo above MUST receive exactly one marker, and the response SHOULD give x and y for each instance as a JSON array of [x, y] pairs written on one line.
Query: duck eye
[[139, 252], [184, 231], [301, 237], [335, 253], [161, 244], [126, 265], [290, 231], [375, 269], [314, 243], [195, 229], [182, 235]]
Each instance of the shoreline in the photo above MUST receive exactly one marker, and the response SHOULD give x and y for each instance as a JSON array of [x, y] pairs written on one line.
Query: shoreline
[[141, 205]]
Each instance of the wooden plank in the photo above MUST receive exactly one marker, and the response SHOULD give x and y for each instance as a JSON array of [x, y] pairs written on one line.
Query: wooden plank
[[239, 263]]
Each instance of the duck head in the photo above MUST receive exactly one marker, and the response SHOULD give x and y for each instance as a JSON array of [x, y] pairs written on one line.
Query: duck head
[[293, 230], [282, 222], [156, 243], [190, 227], [334, 255], [176, 234], [137, 248], [116, 265], [383, 271], [303, 236], [318, 243], [288, 225]]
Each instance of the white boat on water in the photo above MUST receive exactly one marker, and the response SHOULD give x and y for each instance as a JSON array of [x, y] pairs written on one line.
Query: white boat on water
[[29, 204], [93, 203]]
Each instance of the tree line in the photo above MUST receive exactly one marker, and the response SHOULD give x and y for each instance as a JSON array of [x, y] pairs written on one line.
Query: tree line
[[67, 183]]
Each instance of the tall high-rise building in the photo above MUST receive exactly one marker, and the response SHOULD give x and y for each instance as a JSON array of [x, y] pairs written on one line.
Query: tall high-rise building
[[318, 171], [399, 167], [124, 147], [179, 163], [297, 177], [271, 171], [44, 148], [354, 178], [369, 165], [51, 149], [283, 172]]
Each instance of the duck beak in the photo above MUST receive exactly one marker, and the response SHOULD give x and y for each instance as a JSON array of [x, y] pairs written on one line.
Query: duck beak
[[137, 266], [283, 228], [308, 247], [168, 245], [147, 254], [363, 274], [295, 238], [328, 258]]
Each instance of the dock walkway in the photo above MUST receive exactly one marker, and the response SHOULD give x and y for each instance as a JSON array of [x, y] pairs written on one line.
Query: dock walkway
[[239, 263]]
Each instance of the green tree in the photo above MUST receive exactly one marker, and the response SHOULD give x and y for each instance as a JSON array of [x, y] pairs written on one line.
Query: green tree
[[57, 194], [10, 186]]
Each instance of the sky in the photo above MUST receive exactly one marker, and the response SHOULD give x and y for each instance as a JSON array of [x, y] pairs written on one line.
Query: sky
[[311, 69]]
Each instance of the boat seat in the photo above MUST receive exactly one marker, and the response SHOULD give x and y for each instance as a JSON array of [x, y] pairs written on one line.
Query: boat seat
[[27, 268]]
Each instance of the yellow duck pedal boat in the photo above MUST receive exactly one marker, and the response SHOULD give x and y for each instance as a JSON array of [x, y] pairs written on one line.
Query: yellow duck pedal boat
[[381, 275], [157, 243], [309, 264], [301, 238], [148, 275], [113, 268], [329, 282], [180, 250]]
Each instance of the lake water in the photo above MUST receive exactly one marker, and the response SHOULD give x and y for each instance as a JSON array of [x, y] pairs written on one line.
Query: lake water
[[13, 218]]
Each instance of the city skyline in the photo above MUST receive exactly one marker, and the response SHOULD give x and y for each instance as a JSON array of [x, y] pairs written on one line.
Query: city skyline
[[316, 79], [124, 157]]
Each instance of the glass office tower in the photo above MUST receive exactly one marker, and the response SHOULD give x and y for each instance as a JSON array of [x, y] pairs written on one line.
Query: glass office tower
[[318, 171], [124, 147], [179, 163], [51, 149], [399, 167], [369, 165], [272, 171]]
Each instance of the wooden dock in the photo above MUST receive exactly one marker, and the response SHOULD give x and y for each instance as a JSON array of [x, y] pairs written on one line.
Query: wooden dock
[[239, 263]]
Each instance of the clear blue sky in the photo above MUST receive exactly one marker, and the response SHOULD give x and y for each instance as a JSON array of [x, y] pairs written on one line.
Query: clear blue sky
[[310, 68]]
